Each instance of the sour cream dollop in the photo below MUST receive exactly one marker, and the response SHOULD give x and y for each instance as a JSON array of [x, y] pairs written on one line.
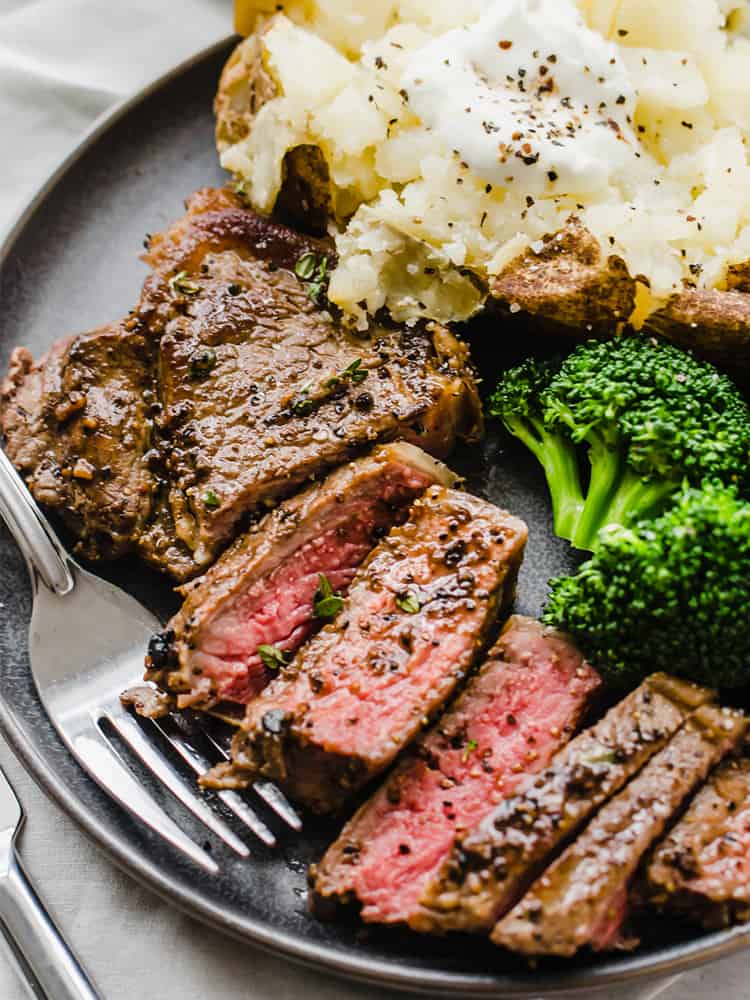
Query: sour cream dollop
[[529, 95]]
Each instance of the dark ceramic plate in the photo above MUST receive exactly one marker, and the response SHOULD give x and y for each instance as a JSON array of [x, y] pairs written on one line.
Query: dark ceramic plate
[[71, 264]]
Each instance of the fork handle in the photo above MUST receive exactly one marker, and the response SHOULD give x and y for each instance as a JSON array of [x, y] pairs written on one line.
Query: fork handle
[[40, 943], [45, 555]]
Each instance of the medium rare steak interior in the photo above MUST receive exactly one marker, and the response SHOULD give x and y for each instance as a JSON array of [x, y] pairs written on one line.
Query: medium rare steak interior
[[701, 870], [261, 591], [581, 899], [510, 719], [225, 390], [491, 866], [418, 613]]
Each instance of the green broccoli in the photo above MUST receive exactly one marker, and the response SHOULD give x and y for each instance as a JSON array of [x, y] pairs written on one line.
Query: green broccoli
[[517, 402], [651, 418], [671, 594]]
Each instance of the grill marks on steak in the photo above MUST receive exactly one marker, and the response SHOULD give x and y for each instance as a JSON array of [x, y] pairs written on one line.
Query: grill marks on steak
[[226, 391], [581, 900], [701, 870], [261, 591], [511, 717], [491, 866], [77, 425], [416, 617]]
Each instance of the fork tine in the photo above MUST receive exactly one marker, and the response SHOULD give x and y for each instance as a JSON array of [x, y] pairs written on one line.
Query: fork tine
[[132, 734], [104, 764], [276, 800], [234, 802], [271, 795]]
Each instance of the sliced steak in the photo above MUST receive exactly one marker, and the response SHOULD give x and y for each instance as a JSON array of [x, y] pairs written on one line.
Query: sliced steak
[[701, 870], [261, 591], [262, 389], [581, 900], [418, 613], [226, 391], [511, 718], [77, 425], [491, 866]]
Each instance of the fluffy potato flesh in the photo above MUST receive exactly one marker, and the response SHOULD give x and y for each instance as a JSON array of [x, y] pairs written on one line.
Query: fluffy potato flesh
[[420, 232]]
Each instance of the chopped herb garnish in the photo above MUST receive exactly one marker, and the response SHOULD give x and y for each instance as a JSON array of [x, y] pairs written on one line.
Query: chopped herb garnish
[[470, 747], [352, 373], [601, 756], [240, 188], [315, 271], [408, 602], [326, 604], [302, 405], [202, 362], [272, 657], [211, 500], [180, 285], [355, 371], [318, 287], [305, 266]]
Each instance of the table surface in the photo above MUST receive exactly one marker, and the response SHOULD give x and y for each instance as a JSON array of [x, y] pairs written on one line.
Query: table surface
[[63, 62]]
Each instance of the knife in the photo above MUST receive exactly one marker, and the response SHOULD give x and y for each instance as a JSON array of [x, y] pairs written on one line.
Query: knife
[[39, 949]]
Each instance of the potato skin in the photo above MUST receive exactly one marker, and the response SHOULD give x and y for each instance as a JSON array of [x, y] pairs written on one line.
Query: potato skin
[[245, 85], [569, 284], [714, 324]]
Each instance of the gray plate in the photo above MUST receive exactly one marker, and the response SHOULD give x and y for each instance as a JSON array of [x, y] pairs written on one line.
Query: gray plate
[[71, 264]]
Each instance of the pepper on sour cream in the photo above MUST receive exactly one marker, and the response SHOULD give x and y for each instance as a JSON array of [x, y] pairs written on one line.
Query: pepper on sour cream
[[530, 95]]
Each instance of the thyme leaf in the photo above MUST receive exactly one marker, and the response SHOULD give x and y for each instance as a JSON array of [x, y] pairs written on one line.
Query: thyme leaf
[[179, 284], [272, 657], [326, 603], [408, 602]]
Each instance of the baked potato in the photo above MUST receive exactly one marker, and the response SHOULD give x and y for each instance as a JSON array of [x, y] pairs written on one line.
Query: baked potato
[[419, 235]]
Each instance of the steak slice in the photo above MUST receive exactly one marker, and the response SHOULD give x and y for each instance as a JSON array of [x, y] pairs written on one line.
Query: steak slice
[[491, 866], [417, 616], [76, 424], [511, 718], [262, 590], [701, 870], [581, 900], [262, 389]]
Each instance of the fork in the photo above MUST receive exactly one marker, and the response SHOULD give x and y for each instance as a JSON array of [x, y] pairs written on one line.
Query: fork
[[86, 646]]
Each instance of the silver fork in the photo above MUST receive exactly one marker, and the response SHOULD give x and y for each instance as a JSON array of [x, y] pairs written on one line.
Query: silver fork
[[86, 645]]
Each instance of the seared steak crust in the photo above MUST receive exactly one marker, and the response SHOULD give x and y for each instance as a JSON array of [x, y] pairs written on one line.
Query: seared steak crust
[[77, 425], [417, 615], [701, 870], [511, 718], [581, 899], [261, 590], [225, 391], [491, 866]]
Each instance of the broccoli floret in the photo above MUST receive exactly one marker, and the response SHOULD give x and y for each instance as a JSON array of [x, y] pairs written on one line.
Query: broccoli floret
[[651, 419], [517, 402], [671, 594]]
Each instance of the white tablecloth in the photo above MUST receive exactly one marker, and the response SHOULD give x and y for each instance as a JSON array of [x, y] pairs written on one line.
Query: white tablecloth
[[62, 62]]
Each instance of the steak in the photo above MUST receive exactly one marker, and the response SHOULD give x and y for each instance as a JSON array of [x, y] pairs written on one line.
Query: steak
[[581, 900], [416, 618], [490, 867], [77, 426], [261, 592], [701, 870], [510, 719], [229, 387]]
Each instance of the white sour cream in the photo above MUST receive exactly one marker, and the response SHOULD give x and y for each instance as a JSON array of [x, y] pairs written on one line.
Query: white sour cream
[[529, 96]]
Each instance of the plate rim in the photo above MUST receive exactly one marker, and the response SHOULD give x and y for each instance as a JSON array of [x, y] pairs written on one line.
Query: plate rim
[[670, 960]]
